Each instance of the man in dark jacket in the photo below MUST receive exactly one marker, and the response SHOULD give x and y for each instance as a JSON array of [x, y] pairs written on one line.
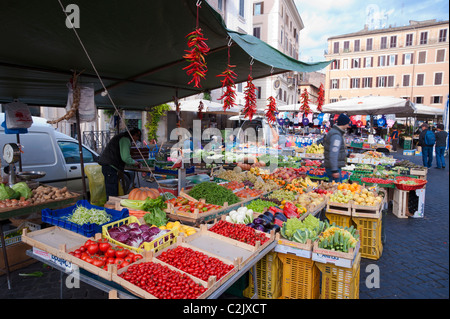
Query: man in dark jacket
[[335, 152], [427, 148], [441, 143], [114, 158]]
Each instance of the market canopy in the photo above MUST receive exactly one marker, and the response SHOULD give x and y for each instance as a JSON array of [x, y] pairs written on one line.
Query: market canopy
[[371, 105], [192, 105], [428, 110], [296, 108], [137, 48]]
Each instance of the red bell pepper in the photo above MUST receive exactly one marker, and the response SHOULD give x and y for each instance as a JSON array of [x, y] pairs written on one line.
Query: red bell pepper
[[290, 210]]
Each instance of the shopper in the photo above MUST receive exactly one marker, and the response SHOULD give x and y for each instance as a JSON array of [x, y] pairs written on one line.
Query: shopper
[[441, 143], [335, 152], [114, 158], [427, 140], [394, 138]]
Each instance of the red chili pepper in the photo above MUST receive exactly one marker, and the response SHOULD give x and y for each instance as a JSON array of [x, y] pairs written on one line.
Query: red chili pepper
[[305, 102], [271, 110], [229, 96], [196, 56], [320, 98], [250, 98]]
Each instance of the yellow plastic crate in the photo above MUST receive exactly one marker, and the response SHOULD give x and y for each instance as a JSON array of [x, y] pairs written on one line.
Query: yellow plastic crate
[[268, 278], [339, 282], [301, 278], [339, 220], [370, 237], [157, 244]]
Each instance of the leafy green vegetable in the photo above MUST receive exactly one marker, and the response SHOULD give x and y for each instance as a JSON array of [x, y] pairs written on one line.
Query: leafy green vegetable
[[156, 217], [82, 215], [7, 192], [23, 189], [213, 194], [259, 205], [33, 274]]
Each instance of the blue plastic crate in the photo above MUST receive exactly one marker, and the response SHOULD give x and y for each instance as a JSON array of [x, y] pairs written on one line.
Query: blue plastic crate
[[59, 217], [159, 170]]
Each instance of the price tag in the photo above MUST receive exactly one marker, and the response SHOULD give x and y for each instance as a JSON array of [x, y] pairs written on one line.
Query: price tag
[[67, 265]]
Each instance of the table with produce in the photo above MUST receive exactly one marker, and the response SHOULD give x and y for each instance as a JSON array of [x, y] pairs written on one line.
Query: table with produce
[[158, 245]]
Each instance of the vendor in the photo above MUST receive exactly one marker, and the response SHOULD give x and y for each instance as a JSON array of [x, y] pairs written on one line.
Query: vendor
[[393, 138], [114, 158]]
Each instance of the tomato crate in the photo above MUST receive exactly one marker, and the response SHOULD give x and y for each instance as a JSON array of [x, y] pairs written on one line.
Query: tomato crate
[[268, 278], [157, 244], [300, 278], [338, 282], [339, 220], [370, 236]]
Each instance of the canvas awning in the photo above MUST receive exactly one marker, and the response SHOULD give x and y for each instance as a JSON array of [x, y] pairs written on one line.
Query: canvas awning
[[296, 108], [136, 47], [371, 105]]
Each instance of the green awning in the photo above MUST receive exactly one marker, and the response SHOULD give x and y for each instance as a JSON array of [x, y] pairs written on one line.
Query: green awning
[[136, 47]]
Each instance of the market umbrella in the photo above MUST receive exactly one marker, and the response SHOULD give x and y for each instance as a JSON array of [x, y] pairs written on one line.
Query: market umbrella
[[296, 108], [136, 47], [371, 105], [428, 110]]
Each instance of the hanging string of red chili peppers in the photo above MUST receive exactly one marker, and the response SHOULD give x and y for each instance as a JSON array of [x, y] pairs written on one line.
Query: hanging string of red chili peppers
[[229, 96], [320, 98], [271, 111], [196, 55], [250, 97], [305, 103], [200, 110]]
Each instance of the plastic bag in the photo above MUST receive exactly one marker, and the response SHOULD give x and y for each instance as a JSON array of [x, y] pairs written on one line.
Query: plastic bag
[[86, 107], [18, 116], [96, 184]]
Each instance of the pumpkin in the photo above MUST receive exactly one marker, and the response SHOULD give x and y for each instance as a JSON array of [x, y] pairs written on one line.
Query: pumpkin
[[142, 193]]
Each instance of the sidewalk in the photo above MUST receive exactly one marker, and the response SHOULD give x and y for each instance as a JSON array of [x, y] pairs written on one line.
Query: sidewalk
[[414, 263]]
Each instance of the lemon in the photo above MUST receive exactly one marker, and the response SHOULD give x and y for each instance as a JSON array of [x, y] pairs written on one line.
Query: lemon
[[162, 227], [169, 225]]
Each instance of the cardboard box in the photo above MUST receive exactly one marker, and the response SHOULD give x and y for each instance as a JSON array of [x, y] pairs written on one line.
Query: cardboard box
[[17, 257]]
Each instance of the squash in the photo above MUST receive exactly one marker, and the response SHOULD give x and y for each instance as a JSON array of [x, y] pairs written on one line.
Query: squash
[[142, 193]]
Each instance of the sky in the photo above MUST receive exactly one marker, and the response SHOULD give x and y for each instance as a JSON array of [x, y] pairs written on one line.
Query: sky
[[326, 18]]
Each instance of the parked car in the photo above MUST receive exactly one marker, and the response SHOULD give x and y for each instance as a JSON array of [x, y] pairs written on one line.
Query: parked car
[[55, 153]]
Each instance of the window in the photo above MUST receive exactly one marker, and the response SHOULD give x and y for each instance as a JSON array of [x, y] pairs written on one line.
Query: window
[[440, 55], [346, 46], [356, 63], [369, 43], [258, 8], [354, 84], [443, 35], [420, 79], [281, 36], [367, 82], [393, 41], [71, 153], [438, 78], [335, 84], [418, 99], [382, 60], [335, 65], [423, 37], [357, 45], [422, 57], [368, 62], [407, 58], [405, 80], [220, 5], [392, 59], [345, 64], [257, 32], [258, 92], [381, 81], [239, 87], [409, 40], [344, 83], [383, 44], [436, 100], [390, 81], [336, 47]]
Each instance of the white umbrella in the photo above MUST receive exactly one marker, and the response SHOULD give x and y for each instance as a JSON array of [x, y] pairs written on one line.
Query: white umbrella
[[371, 105], [296, 108], [428, 110], [192, 105]]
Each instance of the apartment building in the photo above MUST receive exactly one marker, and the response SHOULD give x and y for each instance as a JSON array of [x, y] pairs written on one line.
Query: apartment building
[[408, 62], [278, 23]]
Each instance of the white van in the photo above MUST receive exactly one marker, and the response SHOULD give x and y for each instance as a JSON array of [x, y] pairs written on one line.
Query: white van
[[55, 153]]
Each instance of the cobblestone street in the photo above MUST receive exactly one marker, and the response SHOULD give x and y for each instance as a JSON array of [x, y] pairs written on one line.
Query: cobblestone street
[[414, 263]]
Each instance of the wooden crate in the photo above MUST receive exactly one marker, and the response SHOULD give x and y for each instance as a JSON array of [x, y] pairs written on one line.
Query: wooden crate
[[339, 208], [367, 211], [286, 246], [400, 203], [338, 258]]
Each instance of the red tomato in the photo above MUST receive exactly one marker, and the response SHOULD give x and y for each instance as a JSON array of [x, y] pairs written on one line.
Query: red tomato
[[93, 248], [104, 246], [121, 253], [137, 257]]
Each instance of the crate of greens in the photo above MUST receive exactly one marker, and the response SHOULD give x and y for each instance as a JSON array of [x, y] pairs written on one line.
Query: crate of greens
[[83, 217]]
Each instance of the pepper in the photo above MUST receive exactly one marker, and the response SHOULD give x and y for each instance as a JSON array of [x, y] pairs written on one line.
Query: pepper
[[196, 56], [290, 210], [250, 98], [271, 110], [229, 96]]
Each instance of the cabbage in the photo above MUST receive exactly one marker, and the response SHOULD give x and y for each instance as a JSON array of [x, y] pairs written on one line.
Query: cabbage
[[23, 189]]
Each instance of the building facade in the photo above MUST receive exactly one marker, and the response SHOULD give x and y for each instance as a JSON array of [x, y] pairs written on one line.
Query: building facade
[[278, 23], [407, 62]]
